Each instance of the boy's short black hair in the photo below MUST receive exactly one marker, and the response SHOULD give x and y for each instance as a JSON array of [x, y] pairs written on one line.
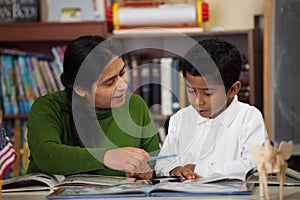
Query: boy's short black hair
[[214, 57]]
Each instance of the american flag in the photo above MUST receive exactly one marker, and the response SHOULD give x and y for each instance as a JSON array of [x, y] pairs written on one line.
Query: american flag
[[7, 153]]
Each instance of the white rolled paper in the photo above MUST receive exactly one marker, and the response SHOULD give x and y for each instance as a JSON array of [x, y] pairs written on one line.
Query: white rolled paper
[[164, 14]]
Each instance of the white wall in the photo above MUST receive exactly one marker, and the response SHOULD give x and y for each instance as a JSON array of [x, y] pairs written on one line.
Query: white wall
[[233, 14]]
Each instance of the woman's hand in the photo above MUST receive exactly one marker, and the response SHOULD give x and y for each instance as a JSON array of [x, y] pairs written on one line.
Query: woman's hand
[[130, 159], [186, 172]]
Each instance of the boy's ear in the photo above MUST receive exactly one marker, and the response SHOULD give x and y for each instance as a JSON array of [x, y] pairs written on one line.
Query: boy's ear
[[81, 92], [235, 88]]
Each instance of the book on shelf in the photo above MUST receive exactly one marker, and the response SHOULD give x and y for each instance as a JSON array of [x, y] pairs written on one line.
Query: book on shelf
[[8, 87], [146, 82], [50, 182], [149, 190], [155, 87], [27, 85], [175, 76], [135, 73], [19, 11]]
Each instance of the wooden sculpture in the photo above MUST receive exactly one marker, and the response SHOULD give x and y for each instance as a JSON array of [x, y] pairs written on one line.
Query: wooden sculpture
[[271, 160]]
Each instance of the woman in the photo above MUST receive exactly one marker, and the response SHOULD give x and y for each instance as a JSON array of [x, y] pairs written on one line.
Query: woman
[[94, 125]]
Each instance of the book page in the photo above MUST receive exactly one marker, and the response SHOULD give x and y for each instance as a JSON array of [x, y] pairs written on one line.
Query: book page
[[89, 179], [240, 177], [30, 182]]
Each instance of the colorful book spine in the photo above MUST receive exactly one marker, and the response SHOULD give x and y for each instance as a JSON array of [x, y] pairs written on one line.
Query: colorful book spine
[[11, 106], [50, 75], [20, 90], [45, 76], [33, 78], [56, 73], [58, 57], [26, 81], [38, 76]]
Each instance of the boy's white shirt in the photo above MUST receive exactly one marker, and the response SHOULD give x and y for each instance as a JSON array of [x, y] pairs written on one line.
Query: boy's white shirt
[[215, 146]]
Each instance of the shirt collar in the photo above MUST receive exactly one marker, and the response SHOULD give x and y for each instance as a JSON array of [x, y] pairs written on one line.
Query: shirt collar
[[226, 117]]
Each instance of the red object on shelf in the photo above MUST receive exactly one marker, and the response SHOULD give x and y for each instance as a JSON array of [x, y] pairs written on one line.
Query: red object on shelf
[[109, 10], [205, 11]]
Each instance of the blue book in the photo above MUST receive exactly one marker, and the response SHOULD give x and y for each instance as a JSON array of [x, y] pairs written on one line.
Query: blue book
[[20, 90], [148, 190], [7, 85], [26, 81]]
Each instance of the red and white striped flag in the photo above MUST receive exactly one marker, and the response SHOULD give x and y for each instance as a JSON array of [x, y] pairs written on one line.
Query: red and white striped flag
[[7, 153]]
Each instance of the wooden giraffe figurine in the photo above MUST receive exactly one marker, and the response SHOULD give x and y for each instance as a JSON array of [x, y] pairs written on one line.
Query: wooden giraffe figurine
[[271, 160]]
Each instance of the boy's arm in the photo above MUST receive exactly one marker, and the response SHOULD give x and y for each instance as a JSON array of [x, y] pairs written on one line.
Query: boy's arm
[[170, 146]]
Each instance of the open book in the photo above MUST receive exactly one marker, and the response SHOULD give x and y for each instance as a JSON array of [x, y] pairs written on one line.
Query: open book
[[146, 190], [43, 181], [292, 178]]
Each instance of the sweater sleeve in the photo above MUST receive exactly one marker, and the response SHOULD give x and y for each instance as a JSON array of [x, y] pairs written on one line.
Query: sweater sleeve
[[50, 143], [149, 140]]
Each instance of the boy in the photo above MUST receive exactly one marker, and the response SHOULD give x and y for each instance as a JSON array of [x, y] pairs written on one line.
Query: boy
[[212, 135]]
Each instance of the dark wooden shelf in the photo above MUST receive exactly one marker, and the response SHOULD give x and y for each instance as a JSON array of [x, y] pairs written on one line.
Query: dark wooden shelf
[[18, 116], [42, 31], [154, 34]]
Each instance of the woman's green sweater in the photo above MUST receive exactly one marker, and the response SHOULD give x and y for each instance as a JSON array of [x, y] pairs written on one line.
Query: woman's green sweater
[[52, 144]]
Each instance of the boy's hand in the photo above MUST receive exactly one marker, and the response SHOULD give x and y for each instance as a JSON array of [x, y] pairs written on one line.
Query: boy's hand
[[144, 176], [184, 172]]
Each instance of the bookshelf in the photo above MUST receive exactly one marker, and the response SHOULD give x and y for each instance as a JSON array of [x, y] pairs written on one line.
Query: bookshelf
[[39, 37], [157, 46]]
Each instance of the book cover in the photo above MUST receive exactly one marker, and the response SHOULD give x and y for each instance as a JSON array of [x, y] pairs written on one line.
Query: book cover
[[19, 11], [49, 182], [148, 190]]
